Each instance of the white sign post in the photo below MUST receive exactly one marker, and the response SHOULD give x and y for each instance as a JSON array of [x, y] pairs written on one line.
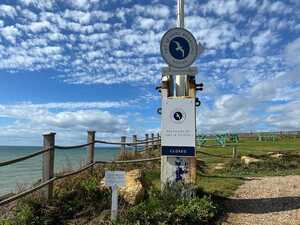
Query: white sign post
[[114, 179]]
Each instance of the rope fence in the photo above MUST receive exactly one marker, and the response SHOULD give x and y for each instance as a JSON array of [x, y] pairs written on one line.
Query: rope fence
[[49, 147], [20, 159]]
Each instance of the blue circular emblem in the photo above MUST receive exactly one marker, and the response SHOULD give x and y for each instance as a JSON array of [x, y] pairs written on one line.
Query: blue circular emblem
[[179, 48]]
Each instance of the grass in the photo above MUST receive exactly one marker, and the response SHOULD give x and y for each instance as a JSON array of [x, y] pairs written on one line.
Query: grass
[[225, 182]]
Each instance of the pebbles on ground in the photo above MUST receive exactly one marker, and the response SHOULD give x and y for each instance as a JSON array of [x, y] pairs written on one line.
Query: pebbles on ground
[[265, 201]]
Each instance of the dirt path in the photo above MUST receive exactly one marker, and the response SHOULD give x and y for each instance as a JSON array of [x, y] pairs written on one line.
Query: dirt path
[[265, 201]]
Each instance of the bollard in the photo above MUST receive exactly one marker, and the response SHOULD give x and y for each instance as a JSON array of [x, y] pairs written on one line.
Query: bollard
[[48, 164]]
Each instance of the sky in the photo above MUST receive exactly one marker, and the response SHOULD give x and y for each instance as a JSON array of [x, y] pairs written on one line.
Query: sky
[[72, 65]]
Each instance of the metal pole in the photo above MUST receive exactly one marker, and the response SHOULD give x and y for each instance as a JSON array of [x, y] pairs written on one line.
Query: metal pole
[[180, 13], [181, 81]]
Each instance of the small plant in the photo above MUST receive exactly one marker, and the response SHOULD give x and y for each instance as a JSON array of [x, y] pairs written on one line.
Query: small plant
[[89, 185]]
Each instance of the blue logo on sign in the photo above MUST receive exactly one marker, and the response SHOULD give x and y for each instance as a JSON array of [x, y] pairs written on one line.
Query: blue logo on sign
[[179, 48]]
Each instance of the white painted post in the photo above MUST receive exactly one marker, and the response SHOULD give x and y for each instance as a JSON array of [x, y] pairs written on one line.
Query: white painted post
[[114, 203]]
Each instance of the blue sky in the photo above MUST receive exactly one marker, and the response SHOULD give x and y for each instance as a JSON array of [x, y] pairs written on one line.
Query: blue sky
[[72, 65]]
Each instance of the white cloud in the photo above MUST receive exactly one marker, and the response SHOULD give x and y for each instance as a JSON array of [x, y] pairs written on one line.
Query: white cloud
[[292, 52], [7, 10], [29, 15], [157, 10], [263, 41], [10, 33], [79, 4], [75, 118], [45, 4], [39, 26], [222, 7]]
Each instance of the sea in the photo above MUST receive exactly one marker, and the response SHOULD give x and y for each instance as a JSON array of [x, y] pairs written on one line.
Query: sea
[[23, 174]]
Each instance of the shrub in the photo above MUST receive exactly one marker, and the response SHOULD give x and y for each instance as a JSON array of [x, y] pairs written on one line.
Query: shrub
[[177, 205], [196, 211]]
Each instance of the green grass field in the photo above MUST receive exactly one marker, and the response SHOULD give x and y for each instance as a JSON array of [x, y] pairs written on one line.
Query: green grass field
[[225, 182]]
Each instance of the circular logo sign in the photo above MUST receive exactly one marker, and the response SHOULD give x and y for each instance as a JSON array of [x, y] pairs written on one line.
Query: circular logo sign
[[178, 116], [179, 48]]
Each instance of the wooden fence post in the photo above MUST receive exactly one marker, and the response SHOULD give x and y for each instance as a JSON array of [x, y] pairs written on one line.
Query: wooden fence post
[[123, 147], [234, 153], [153, 141], [91, 148], [134, 140], [48, 164], [146, 144]]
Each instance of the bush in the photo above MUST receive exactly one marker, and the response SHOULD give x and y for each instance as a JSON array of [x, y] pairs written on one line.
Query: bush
[[178, 205], [81, 197]]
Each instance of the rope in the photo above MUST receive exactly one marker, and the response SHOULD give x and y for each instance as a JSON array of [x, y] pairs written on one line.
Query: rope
[[129, 161], [74, 146], [221, 156], [27, 192], [5, 163], [75, 172], [126, 143], [38, 187]]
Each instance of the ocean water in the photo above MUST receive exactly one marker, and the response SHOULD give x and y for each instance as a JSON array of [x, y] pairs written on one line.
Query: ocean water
[[23, 174]]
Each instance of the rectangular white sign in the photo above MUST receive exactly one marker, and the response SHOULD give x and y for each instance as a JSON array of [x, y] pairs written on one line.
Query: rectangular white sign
[[115, 178], [178, 133]]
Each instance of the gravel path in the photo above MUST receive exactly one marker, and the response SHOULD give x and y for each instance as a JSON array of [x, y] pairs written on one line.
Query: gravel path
[[265, 201]]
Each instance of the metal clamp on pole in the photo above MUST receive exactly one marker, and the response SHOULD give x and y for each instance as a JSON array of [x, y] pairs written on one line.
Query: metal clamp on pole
[[159, 110], [199, 87], [158, 88], [198, 102]]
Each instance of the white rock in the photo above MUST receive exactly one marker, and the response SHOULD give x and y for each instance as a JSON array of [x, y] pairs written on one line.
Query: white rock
[[133, 190], [247, 160]]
